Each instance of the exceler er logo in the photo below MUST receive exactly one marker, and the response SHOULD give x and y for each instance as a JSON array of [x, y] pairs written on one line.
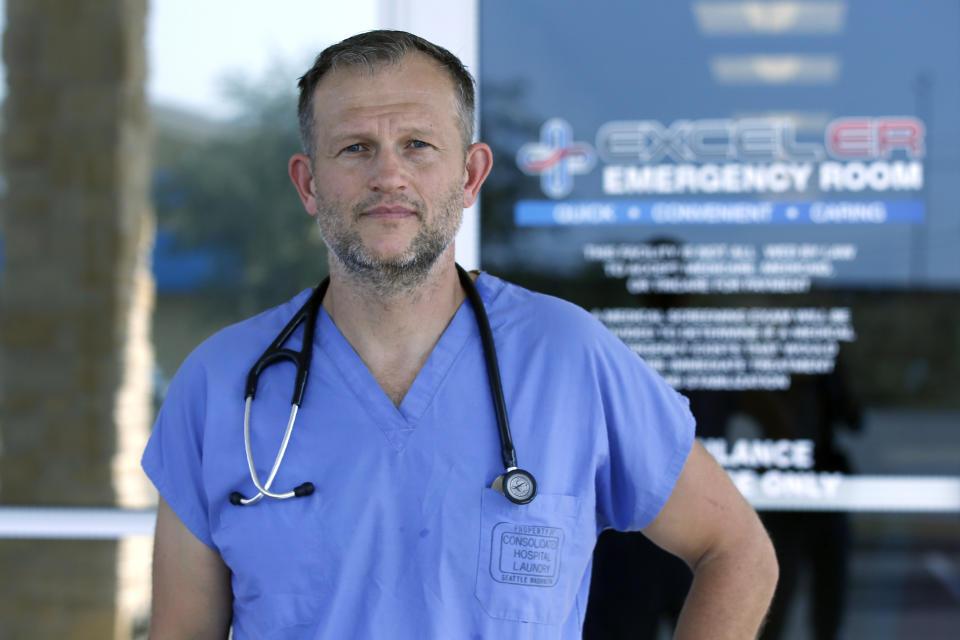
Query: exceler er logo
[[555, 158]]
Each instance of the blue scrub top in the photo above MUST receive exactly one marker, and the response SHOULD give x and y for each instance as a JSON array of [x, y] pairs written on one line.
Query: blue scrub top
[[402, 537]]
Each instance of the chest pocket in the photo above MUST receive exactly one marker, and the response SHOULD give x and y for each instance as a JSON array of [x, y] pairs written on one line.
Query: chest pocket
[[532, 557]]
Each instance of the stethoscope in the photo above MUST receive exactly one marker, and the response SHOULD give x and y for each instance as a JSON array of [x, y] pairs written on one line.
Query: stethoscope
[[517, 485]]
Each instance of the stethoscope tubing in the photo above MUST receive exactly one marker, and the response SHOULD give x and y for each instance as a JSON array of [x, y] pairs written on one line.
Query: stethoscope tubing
[[507, 451], [264, 489], [518, 485], [307, 314]]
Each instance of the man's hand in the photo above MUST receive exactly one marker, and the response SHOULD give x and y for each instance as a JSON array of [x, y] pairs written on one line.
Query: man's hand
[[716, 532]]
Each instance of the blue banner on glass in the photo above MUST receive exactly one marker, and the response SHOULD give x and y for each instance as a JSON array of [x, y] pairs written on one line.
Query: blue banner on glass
[[548, 213]]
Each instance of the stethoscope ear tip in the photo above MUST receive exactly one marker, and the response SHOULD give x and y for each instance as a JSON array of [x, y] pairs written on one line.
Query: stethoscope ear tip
[[304, 489], [236, 498]]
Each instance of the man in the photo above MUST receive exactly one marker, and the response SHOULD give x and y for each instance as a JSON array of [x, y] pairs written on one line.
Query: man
[[400, 534]]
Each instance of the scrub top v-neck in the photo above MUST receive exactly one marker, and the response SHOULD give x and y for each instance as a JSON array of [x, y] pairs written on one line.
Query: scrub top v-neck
[[397, 423]]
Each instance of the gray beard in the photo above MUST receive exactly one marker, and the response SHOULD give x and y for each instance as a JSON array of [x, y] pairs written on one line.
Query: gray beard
[[390, 278]]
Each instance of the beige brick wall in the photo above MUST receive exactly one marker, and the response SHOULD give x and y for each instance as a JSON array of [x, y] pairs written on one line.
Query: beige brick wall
[[75, 304]]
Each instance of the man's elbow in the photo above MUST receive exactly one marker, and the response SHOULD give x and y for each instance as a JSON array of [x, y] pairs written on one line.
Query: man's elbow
[[768, 569], [758, 560], [750, 555]]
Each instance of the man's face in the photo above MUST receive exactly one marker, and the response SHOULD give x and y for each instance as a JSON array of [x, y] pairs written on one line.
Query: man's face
[[389, 167]]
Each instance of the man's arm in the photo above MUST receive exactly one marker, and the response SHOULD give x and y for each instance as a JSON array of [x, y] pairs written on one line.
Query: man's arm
[[708, 524], [191, 584]]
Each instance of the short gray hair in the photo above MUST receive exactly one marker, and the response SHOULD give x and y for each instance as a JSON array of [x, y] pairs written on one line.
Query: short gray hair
[[374, 50]]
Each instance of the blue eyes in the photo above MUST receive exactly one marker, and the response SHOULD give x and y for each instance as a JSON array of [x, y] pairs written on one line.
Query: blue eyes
[[359, 148]]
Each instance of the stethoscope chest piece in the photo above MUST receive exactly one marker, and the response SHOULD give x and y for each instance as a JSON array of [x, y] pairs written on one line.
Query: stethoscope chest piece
[[517, 485]]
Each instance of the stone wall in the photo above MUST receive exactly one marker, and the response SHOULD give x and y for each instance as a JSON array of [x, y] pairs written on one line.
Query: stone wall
[[75, 303]]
